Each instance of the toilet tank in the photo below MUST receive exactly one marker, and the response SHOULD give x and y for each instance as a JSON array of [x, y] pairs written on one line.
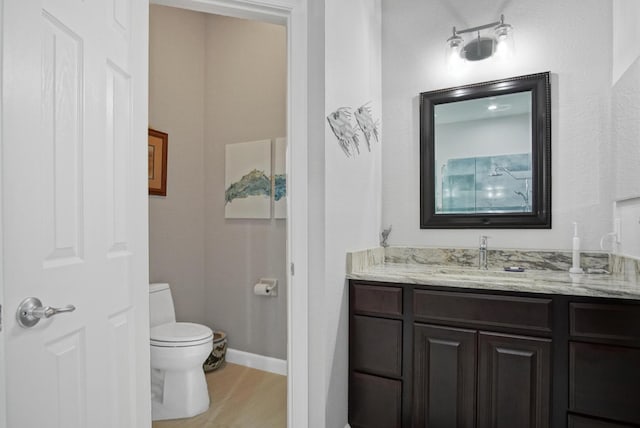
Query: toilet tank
[[161, 310]]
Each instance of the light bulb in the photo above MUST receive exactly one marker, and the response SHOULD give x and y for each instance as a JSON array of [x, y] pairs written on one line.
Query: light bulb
[[455, 61], [454, 51], [505, 47], [454, 58]]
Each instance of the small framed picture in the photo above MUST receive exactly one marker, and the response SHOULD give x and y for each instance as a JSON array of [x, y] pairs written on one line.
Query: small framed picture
[[158, 162]]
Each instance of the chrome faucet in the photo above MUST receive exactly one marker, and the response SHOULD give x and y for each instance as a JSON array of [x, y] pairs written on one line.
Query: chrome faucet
[[482, 255]]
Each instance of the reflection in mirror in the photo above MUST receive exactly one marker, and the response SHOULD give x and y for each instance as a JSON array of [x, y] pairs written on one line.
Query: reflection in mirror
[[485, 155]]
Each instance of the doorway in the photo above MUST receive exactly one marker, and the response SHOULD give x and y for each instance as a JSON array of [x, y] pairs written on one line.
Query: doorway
[[217, 87], [292, 15]]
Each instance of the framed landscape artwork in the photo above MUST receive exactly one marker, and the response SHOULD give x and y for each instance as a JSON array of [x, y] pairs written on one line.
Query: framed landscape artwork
[[280, 179], [248, 180]]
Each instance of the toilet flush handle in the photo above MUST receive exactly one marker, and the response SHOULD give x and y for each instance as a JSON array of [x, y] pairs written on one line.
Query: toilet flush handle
[[31, 311]]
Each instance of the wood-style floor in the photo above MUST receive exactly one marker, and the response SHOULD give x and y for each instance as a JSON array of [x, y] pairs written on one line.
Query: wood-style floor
[[241, 397]]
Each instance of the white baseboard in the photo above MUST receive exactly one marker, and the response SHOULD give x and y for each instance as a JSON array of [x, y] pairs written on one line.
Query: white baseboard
[[255, 361]]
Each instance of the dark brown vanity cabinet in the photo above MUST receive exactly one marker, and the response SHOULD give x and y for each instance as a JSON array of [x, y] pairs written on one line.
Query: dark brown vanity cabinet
[[440, 357]]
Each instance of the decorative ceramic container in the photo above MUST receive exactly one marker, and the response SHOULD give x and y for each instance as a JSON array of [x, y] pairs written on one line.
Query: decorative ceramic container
[[216, 358]]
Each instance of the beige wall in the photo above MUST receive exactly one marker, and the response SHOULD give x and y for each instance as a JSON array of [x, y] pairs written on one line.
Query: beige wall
[[246, 101], [235, 91], [176, 106]]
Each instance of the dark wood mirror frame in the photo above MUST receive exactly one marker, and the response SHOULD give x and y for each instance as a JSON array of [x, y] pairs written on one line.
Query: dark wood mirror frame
[[540, 215]]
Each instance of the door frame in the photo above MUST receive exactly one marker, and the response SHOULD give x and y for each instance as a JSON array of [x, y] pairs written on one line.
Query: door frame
[[3, 309], [293, 15]]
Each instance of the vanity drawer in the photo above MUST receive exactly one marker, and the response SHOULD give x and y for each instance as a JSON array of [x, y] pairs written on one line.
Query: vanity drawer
[[603, 381], [613, 323], [510, 312], [373, 299], [375, 402], [582, 422], [376, 345]]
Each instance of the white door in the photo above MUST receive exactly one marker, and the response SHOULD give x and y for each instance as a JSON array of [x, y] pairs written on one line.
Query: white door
[[74, 211]]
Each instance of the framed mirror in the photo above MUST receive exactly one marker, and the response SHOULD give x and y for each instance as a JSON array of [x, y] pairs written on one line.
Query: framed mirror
[[485, 155]]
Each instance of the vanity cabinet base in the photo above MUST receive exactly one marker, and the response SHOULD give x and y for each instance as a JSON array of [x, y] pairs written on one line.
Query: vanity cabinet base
[[467, 358]]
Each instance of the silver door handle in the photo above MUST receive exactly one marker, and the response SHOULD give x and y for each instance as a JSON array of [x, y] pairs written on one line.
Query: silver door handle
[[31, 311]]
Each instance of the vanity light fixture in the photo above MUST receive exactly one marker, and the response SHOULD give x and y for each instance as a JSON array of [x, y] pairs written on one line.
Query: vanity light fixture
[[498, 43]]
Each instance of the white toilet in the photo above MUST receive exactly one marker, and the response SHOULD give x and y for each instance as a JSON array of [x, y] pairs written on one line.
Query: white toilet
[[178, 350]]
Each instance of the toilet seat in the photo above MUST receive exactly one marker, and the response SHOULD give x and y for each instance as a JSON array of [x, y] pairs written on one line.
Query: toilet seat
[[180, 334]]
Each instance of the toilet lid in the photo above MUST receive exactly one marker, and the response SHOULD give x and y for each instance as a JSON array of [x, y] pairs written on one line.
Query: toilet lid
[[180, 334]]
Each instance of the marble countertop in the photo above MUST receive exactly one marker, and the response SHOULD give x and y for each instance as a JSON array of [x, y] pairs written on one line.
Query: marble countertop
[[533, 281]]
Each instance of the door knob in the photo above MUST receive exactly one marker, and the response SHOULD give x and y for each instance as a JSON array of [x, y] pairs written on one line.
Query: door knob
[[31, 311]]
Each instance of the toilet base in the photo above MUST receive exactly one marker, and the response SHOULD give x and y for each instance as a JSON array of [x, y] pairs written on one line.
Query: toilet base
[[178, 394]]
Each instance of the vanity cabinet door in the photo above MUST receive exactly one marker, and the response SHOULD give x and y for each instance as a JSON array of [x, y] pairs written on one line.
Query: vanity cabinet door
[[513, 381], [444, 377]]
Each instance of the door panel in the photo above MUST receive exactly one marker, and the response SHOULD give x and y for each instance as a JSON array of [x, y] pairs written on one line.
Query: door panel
[[444, 377], [74, 208], [62, 76], [65, 357], [513, 381]]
